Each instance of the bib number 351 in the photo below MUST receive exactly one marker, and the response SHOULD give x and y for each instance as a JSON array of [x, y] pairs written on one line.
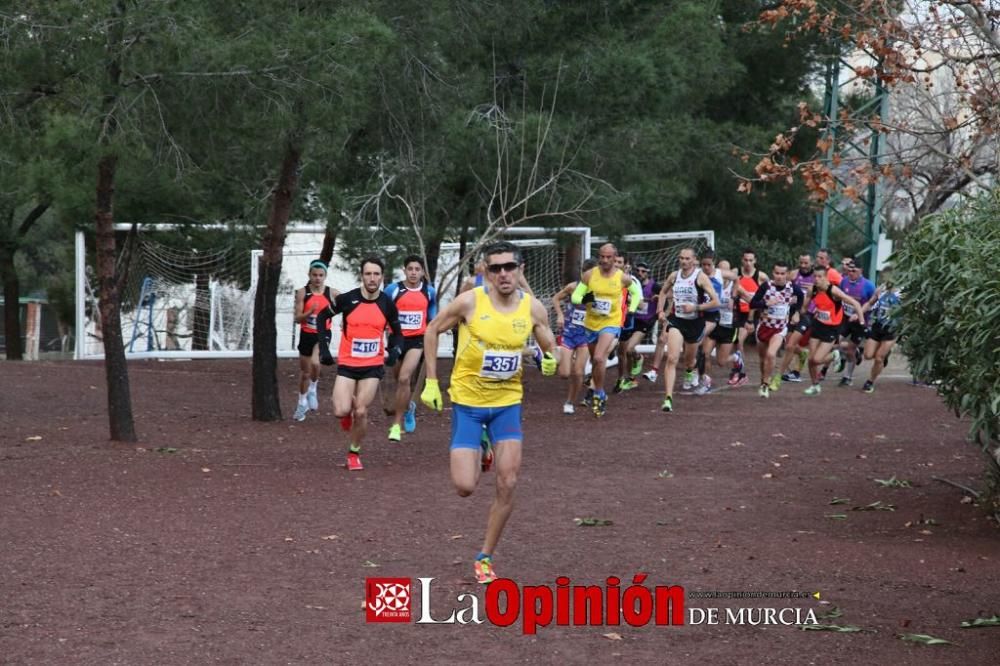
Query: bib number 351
[[500, 364]]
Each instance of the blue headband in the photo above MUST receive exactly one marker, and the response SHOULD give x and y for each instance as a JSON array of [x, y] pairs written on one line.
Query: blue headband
[[317, 264]]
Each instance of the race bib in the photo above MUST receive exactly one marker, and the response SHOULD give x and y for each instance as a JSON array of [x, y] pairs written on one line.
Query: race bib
[[500, 364], [848, 310], [726, 318], [779, 311], [410, 320], [602, 306], [577, 317], [311, 321], [364, 348], [823, 315]]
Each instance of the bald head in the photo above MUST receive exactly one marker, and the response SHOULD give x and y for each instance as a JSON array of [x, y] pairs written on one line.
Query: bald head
[[606, 257]]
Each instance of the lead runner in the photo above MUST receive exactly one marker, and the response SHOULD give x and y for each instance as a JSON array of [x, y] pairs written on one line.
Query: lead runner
[[494, 322]]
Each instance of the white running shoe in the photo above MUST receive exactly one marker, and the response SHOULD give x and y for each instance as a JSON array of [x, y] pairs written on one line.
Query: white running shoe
[[300, 412], [568, 408], [651, 375], [690, 380], [313, 401]]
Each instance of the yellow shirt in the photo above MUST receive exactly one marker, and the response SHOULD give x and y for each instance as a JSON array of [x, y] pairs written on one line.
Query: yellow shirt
[[606, 310], [488, 361]]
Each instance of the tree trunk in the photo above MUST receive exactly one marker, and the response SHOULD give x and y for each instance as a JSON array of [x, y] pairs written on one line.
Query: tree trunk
[[433, 256], [11, 303], [115, 366], [571, 262], [329, 242], [202, 316], [266, 405]]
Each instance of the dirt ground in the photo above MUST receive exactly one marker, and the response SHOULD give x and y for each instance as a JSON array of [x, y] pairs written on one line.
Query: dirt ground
[[220, 540]]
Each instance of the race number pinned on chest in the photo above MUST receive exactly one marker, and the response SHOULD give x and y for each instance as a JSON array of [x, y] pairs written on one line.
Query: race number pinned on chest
[[823, 316], [778, 311], [726, 318], [499, 364], [364, 348], [602, 306], [410, 320]]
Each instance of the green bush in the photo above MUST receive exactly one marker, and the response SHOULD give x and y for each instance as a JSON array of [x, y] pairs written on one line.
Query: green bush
[[950, 327]]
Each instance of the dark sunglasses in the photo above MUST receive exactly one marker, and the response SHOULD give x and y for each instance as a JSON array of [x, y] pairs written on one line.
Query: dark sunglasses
[[510, 267]]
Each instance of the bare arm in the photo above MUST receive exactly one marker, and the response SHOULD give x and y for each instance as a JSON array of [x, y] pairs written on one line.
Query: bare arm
[[300, 314], [540, 327], [453, 314], [706, 286], [666, 295], [557, 303]]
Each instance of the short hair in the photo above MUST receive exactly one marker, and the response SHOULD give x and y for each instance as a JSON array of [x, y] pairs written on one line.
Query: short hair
[[642, 263], [708, 253], [588, 264], [825, 250], [410, 258], [822, 269], [781, 264], [749, 250], [373, 260], [502, 247]]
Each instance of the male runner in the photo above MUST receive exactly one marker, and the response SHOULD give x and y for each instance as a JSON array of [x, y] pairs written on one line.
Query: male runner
[[854, 332], [722, 337], [416, 302], [644, 317], [572, 340], [749, 281], [494, 324], [601, 289], [803, 279], [883, 331], [367, 311], [825, 329], [722, 279], [310, 300], [780, 301], [687, 293]]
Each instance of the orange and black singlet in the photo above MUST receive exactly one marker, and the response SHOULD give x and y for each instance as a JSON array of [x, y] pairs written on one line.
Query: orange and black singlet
[[325, 299], [363, 328]]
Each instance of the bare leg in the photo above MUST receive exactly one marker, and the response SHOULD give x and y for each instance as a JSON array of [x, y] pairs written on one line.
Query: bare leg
[[508, 462], [675, 343]]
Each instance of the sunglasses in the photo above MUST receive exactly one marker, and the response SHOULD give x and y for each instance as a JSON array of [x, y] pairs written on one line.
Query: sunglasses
[[510, 267]]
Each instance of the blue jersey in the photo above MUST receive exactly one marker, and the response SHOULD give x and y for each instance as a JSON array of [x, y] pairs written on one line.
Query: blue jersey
[[885, 311], [716, 280]]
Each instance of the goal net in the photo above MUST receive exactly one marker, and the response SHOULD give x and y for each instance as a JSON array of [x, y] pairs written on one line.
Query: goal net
[[190, 304]]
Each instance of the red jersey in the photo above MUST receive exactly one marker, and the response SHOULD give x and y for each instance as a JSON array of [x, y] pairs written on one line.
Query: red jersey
[[750, 284], [308, 302], [829, 311], [415, 306], [364, 323]]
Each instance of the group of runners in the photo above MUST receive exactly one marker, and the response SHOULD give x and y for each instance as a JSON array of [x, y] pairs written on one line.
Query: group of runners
[[704, 310]]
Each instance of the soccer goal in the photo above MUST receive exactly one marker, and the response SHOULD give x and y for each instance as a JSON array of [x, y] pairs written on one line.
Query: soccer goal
[[181, 303]]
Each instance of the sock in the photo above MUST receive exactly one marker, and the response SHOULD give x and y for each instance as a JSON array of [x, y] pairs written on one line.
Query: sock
[[302, 399], [483, 556], [313, 385], [355, 448], [601, 394]]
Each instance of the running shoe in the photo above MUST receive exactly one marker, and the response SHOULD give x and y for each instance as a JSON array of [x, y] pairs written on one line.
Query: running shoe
[[668, 404], [394, 433], [629, 384], [300, 412], [741, 379], [618, 386], [738, 361], [734, 377], [815, 389], [600, 405], [705, 387], [839, 360], [791, 377], [354, 462], [846, 381], [637, 366], [484, 570], [763, 391], [313, 400], [775, 383], [651, 376], [486, 461], [690, 380], [869, 387], [410, 418], [568, 408], [588, 398]]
